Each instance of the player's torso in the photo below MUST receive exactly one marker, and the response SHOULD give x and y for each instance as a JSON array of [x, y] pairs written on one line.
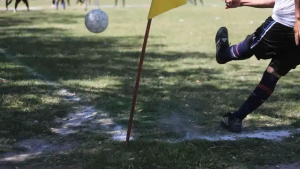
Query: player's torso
[[284, 12]]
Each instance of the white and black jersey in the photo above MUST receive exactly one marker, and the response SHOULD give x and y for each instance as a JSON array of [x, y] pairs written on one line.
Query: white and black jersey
[[284, 12]]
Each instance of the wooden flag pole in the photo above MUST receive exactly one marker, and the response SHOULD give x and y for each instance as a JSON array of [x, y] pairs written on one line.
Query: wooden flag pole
[[136, 88]]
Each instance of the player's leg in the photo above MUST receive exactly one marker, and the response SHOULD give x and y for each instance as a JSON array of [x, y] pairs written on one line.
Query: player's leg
[[16, 5], [244, 49], [201, 1], [270, 41], [226, 53], [68, 2], [279, 66], [123, 3], [53, 4], [7, 3], [27, 4], [63, 4], [195, 2], [57, 4], [233, 121], [116, 2]]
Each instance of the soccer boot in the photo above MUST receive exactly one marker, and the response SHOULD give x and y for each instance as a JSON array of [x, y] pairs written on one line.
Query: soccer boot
[[222, 43], [231, 123]]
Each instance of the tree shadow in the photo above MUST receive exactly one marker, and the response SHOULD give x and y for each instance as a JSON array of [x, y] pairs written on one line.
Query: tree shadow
[[28, 106], [88, 58], [92, 59], [9, 19]]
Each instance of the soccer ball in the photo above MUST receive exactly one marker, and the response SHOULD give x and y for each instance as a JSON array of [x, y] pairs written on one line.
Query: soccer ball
[[96, 21]]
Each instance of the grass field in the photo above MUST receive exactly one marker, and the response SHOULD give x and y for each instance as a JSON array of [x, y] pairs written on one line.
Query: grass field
[[46, 3], [181, 87]]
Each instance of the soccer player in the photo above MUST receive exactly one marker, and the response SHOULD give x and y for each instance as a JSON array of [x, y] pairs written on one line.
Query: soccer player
[[16, 4], [116, 3], [276, 39], [62, 3]]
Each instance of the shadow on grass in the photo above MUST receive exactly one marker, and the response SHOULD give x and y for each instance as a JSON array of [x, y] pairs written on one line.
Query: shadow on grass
[[91, 59], [113, 60], [28, 107], [8, 19]]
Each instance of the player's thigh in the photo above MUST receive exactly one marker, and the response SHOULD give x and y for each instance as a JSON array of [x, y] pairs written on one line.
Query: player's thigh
[[286, 61]]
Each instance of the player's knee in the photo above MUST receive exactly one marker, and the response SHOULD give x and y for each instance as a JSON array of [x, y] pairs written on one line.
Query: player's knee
[[272, 71]]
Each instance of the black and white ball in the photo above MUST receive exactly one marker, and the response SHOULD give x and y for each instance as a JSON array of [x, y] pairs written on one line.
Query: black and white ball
[[96, 21]]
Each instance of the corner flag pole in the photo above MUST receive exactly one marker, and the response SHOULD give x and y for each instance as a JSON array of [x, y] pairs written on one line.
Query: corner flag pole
[[136, 88]]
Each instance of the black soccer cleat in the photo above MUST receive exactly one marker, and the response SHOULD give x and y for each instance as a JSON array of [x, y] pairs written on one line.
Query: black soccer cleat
[[231, 123], [222, 43]]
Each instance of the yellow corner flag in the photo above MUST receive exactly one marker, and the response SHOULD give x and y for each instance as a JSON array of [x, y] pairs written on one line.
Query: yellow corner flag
[[160, 6]]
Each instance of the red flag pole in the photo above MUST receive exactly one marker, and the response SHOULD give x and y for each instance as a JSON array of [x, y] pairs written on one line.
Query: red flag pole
[[136, 88]]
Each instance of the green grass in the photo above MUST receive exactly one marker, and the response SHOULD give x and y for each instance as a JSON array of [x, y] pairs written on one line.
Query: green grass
[[101, 69], [47, 4]]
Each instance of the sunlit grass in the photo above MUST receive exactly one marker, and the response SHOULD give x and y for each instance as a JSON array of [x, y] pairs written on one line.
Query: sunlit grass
[[179, 76]]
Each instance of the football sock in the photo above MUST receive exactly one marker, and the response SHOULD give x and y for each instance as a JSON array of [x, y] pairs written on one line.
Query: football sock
[[64, 5], [261, 93], [240, 51]]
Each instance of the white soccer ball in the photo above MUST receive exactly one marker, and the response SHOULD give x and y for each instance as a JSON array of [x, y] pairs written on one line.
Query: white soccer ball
[[96, 21]]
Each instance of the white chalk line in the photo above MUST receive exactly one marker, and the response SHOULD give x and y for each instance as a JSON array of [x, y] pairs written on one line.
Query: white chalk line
[[273, 135], [74, 119], [177, 123], [77, 119]]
